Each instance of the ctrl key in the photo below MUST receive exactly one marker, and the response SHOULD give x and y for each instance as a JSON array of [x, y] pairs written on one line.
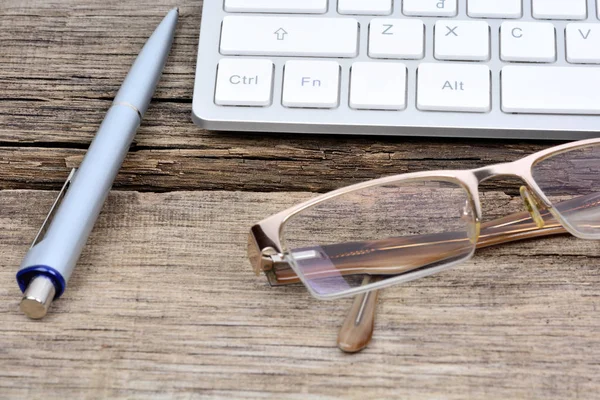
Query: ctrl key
[[246, 82]]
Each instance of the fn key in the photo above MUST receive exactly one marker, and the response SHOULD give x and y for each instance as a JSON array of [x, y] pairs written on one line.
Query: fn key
[[244, 83]]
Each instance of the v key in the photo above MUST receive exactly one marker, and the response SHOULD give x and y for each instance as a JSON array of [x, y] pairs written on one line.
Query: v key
[[585, 35], [583, 43]]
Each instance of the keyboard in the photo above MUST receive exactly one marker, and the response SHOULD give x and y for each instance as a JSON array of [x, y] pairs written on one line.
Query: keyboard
[[476, 68]]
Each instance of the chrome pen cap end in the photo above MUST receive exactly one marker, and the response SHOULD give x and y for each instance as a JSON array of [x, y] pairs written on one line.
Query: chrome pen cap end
[[37, 297]]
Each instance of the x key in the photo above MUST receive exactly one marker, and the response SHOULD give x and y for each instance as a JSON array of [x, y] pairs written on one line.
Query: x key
[[462, 40]]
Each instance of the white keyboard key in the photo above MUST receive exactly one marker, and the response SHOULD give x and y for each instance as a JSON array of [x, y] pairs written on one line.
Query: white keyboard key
[[453, 87], [311, 84], [583, 43], [365, 7], [397, 38], [462, 40], [430, 8], [551, 90], [598, 7], [559, 9], [378, 86], [528, 41], [495, 8], [277, 6], [289, 36], [244, 82]]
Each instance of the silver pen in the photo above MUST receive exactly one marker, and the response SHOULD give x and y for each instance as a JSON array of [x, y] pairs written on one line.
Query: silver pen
[[50, 261]]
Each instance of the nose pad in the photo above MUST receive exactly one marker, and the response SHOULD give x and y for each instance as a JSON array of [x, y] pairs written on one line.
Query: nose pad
[[467, 215], [531, 205]]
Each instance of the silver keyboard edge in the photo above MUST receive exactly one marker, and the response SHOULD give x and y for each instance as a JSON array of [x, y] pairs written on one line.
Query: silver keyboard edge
[[277, 118]]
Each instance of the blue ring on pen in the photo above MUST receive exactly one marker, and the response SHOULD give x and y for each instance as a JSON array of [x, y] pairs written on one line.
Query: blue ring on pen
[[26, 275]]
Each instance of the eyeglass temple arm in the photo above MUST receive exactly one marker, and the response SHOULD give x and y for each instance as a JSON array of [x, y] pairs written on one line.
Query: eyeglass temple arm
[[419, 250], [357, 329]]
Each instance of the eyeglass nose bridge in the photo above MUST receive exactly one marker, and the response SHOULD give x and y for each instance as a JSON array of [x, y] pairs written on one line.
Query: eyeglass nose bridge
[[533, 199], [517, 169]]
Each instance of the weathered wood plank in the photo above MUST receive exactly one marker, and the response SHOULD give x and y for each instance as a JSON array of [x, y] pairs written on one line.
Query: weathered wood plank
[[63, 62], [261, 164], [164, 304]]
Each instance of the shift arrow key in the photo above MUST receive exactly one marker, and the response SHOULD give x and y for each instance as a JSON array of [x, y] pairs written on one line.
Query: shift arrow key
[[312, 36], [281, 34]]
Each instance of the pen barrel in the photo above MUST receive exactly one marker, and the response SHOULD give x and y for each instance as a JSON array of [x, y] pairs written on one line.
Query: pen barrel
[[75, 217]]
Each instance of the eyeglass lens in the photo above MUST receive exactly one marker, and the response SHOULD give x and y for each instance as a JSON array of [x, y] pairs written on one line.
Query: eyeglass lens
[[381, 231]]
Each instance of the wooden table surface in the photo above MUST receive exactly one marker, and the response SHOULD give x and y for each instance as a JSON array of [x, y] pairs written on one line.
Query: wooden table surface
[[164, 303]]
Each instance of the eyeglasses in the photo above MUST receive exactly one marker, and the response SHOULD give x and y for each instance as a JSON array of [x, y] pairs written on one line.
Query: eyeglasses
[[400, 228]]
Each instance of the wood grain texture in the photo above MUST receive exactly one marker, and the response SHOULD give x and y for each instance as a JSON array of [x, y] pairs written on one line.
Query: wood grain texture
[[63, 61], [164, 304]]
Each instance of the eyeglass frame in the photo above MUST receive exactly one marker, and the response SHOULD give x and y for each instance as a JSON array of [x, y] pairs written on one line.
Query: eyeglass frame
[[265, 247]]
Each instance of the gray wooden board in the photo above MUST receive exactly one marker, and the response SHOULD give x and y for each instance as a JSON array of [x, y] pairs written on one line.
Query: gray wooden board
[[164, 304]]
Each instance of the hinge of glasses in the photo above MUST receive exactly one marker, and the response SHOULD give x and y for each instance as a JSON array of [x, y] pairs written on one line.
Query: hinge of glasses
[[270, 258], [272, 262]]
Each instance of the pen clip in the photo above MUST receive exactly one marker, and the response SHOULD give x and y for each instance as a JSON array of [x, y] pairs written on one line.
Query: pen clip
[[57, 202]]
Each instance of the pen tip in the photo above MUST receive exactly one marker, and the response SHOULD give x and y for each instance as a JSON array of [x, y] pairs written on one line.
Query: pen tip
[[176, 10]]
